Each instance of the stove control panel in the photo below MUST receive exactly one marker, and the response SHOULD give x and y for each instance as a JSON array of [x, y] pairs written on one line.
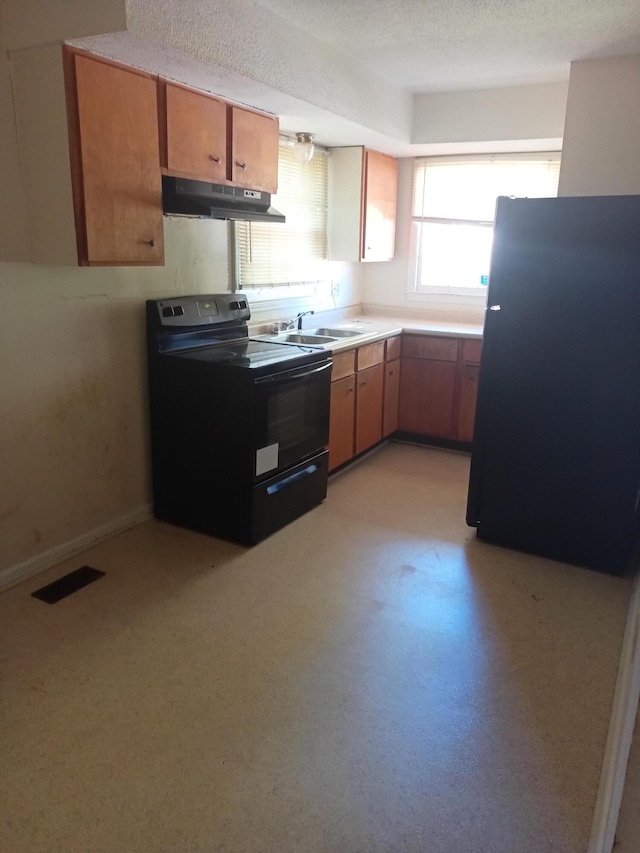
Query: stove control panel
[[202, 310]]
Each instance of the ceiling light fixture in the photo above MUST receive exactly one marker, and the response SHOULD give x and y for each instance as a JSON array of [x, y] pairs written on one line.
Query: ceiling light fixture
[[303, 148]]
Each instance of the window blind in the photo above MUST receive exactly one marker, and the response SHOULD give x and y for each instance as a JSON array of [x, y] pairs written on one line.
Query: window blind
[[270, 254], [467, 188]]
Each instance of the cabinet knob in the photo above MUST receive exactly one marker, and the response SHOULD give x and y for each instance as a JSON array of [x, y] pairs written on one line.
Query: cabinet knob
[[362, 385], [150, 242], [241, 165], [215, 159], [349, 390]]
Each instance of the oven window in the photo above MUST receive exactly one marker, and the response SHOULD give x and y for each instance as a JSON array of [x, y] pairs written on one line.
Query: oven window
[[291, 417], [296, 417]]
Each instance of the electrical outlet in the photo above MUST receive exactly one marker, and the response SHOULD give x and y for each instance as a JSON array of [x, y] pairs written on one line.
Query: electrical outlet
[[335, 288]]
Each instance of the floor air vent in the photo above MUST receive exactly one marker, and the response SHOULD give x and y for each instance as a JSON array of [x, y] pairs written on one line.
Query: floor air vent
[[64, 586]]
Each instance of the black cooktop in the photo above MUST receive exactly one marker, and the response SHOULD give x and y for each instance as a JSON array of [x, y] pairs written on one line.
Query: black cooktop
[[213, 329], [249, 353]]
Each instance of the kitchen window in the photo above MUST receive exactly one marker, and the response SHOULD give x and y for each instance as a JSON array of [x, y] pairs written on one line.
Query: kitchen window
[[294, 252], [453, 211]]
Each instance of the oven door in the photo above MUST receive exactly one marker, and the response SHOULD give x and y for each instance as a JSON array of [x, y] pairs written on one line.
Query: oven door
[[291, 417]]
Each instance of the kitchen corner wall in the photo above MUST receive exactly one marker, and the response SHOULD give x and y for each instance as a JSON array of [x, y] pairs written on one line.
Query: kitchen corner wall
[[385, 286], [74, 449]]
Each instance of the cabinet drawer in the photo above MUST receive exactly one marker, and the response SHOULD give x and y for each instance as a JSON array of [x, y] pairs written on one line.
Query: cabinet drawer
[[344, 364], [429, 346], [471, 351], [393, 348], [370, 354]]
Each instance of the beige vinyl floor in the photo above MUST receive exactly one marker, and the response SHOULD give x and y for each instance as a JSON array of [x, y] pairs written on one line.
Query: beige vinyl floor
[[371, 678]]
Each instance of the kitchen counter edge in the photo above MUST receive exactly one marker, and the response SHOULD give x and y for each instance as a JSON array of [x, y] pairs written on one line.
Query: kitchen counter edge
[[378, 330]]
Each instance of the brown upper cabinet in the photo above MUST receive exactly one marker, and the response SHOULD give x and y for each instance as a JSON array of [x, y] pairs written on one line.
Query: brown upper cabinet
[[363, 187], [208, 139], [253, 150], [115, 170], [193, 133], [379, 199]]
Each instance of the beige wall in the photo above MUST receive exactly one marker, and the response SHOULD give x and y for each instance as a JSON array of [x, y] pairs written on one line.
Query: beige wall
[[602, 128], [532, 113], [73, 436]]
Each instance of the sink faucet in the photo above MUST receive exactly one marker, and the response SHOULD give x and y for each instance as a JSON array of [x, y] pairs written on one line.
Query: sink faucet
[[299, 318]]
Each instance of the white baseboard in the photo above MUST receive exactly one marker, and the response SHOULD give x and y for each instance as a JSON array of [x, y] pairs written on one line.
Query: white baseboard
[[21, 571], [621, 725]]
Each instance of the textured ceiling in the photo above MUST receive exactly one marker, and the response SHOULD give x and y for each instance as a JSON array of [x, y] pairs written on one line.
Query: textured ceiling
[[440, 45], [402, 76]]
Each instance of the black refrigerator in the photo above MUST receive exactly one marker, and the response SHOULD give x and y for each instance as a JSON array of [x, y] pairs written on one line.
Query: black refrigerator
[[555, 467]]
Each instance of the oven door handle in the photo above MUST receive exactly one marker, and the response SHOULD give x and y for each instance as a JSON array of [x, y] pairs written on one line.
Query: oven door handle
[[293, 375]]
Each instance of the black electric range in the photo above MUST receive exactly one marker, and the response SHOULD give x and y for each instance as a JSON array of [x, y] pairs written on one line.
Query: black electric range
[[239, 427]]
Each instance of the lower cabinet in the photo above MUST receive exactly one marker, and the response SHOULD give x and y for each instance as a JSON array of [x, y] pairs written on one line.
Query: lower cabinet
[[391, 397], [427, 390], [425, 385], [365, 387], [438, 386], [369, 400], [342, 421], [467, 401]]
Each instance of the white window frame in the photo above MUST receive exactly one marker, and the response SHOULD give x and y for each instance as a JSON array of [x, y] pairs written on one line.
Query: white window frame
[[471, 296]]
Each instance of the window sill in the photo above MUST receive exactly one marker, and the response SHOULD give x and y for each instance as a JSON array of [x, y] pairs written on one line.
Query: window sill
[[460, 296]]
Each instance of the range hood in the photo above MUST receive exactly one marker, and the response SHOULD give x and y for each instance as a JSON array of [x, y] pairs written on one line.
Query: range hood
[[182, 197]]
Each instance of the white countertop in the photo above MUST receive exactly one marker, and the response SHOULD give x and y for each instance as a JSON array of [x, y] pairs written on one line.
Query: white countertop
[[373, 329], [413, 325]]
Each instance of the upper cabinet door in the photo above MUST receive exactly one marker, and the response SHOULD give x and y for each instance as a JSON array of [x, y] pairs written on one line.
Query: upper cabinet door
[[254, 150], [380, 190], [196, 137], [118, 184]]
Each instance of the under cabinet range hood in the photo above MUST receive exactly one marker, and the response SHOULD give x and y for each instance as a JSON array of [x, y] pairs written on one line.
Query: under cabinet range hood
[[182, 197]]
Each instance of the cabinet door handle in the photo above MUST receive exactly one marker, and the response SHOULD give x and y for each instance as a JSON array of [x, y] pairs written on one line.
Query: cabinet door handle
[[241, 165], [150, 242], [362, 385], [349, 390], [215, 159]]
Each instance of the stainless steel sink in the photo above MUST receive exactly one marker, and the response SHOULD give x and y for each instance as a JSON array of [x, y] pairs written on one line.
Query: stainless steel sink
[[336, 333], [305, 338]]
